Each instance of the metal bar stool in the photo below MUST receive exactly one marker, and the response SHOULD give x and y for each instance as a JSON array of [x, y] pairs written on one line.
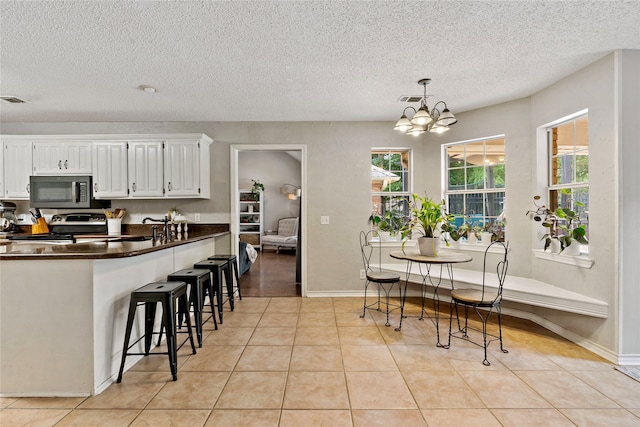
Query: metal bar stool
[[233, 263], [217, 267], [149, 295], [200, 283]]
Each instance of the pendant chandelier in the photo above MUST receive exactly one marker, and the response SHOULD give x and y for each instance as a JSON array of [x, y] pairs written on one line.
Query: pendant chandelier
[[423, 120]]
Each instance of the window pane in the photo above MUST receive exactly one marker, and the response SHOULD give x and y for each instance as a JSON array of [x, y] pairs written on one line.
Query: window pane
[[494, 204], [475, 153], [475, 177], [562, 168], [582, 166], [495, 152], [495, 176], [455, 156], [456, 204], [474, 206], [456, 179]]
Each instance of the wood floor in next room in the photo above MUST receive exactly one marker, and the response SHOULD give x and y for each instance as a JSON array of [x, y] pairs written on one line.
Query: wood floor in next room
[[272, 275]]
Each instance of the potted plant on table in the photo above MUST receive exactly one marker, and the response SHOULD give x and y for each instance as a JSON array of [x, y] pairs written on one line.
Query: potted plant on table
[[427, 219]]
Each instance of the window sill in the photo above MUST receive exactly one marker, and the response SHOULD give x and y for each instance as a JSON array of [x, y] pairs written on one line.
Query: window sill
[[471, 247], [582, 261]]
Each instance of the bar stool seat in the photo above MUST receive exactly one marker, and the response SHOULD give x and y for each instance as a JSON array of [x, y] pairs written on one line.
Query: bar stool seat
[[149, 295], [200, 284], [233, 264], [217, 267]]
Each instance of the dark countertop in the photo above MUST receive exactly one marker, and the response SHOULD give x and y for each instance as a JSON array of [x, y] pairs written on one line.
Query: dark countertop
[[103, 249]]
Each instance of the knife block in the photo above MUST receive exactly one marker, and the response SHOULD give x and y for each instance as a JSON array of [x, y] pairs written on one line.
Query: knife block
[[40, 228]]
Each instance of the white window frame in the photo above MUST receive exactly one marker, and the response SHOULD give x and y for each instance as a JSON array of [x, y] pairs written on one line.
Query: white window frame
[[445, 172]]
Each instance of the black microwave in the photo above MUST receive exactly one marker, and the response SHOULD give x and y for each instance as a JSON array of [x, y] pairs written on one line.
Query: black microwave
[[64, 192]]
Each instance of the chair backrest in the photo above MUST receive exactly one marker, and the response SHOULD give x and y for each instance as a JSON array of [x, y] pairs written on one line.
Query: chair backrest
[[287, 227], [501, 265], [367, 247]]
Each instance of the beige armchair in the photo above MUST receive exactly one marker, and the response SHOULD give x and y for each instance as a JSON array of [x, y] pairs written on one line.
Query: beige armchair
[[286, 237]]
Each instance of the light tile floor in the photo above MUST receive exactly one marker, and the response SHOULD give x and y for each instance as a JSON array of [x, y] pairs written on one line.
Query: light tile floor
[[315, 362]]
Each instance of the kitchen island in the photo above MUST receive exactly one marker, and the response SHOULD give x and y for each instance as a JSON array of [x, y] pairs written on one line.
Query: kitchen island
[[63, 308]]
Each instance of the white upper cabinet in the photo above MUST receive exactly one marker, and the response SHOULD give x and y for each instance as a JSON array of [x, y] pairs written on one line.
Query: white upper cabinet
[[146, 160], [110, 170], [127, 166], [17, 169], [61, 157], [1, 171], [182, 168]]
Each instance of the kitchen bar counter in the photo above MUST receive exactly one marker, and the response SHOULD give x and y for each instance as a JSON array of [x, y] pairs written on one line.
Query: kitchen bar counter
[[63, 308], [110, 247]]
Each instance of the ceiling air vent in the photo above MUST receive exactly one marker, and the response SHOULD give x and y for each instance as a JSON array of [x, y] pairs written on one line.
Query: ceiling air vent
[[411, 98], [12, 100]]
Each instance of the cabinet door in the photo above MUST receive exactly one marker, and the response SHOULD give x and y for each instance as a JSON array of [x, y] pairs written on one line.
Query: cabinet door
[[17, 169], [145, 169], [110, 170], [182, 168], [55, 158], [48, 158], [2, 170], [77, 158]]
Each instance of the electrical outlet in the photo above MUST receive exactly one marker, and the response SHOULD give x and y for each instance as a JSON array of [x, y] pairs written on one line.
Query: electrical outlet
[[196, 217], [137, 218], [324, 220], [362, 275]]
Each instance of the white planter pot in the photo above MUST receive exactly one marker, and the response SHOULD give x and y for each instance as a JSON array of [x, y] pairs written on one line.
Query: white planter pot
[[554, 246], [471, 238], [573, 249], [486, 238], [429, 246]]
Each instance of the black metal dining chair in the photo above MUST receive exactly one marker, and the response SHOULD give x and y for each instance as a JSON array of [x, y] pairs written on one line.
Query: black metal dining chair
[[384, 281], [483, 300]]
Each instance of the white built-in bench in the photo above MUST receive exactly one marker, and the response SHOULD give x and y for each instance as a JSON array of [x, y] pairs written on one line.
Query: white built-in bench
[[517, 289]]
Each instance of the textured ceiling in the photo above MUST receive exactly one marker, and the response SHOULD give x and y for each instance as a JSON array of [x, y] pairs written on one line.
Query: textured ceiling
[[291, 61]]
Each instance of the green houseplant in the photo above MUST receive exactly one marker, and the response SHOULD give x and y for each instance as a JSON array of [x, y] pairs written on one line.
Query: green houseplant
[[427, 218], [390, 222], [256, 188], [564, 225]]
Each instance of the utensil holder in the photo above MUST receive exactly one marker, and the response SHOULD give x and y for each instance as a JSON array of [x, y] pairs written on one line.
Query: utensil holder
[[40, 228], [114, 226]]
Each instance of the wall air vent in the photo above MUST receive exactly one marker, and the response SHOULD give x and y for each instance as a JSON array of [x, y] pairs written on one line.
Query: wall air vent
[[12, 100]]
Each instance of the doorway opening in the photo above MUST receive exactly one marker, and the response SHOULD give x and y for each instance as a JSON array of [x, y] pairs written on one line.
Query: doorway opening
[[279, 168]]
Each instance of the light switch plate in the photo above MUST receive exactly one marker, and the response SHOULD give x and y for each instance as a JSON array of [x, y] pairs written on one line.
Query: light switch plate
[[324, 220], [196, 217]]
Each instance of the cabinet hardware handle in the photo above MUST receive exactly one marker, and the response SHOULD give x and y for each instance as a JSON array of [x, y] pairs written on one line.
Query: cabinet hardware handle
[[133, 187], [169, 186], [65, 164], [28, 188], [95, 187], [59, 164]]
